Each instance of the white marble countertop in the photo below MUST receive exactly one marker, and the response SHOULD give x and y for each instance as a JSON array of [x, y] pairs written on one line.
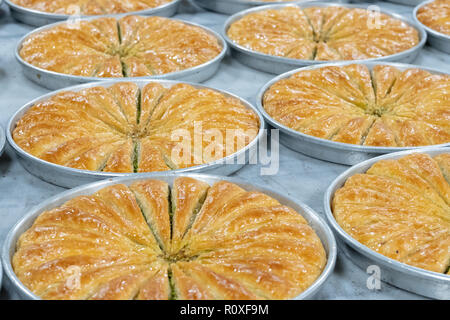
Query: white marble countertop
[[301, 177]]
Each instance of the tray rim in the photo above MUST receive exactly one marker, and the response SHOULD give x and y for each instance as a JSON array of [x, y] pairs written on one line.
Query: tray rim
[[314, 220], [426, 28], [2, 146], [58, 16], [300, 62], [83, 79], [328, 143], [359, 247], [103, 175]]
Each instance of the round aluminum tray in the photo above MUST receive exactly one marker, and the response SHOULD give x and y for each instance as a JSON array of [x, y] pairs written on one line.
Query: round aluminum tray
[[277, 65], [54, 80], [337, 152], [234, 6], [69, 177], [40, 18], [2, 142], [406, 2], [438, 40], [420, 281], [314, 220]]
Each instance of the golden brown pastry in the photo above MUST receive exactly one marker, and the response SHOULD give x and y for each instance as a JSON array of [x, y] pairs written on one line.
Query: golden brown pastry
[[90, 7], [401, 209], [384, 107], [436, 15], [225, 243], [132, 46], [122, 128], [323, 33]]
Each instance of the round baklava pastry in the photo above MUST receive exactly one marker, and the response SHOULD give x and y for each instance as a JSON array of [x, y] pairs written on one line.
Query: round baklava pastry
[[381, 107], [401, 209], [123, 128], [436, 16], [89, 7], [150, 241], [131, 46], [323, 33]]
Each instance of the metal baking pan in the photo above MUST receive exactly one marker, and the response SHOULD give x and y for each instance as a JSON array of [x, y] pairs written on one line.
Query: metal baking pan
[[234, 6], [277, 65], [39, 18], [2, 141], [438, 40], [69, 177], [315, 221], [420, 281], [404, 2], [336, 152], [54, 80]]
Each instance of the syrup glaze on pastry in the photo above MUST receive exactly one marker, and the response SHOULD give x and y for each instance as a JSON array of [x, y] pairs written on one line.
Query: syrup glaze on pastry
[[90, 7], [132, 46], [436, 15], [323, 33], [124, 129], [384, 107], [149, 241], [401, 209]]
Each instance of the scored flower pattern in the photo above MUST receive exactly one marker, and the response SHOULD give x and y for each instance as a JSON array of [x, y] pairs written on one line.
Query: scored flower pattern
[[148, 241]]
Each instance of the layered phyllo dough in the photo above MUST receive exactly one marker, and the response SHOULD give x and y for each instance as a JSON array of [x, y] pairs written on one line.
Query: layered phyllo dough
[[323, 33], [124, 128], [382, 107], [436, 15], [401, 209], [90, 7], [132, 46], [150, 240]]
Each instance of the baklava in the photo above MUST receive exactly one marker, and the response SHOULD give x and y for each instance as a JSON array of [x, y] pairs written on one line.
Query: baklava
[[132, 46], [123, 128], [436, 16], [323, 33], [149, 241], [382, 107], [401, 209], [90, 7]]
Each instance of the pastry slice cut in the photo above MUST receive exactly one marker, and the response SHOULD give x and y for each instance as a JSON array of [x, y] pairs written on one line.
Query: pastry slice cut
[[407, 132], [443, 161], [383, 79], [127, 96], [90, 282], [433, 256], [397, 171], [150, 97], [39, 278], [380, 135], [122, 200], [153, 199], [151, 157], [427, 168], [115, 220], [355, 131], [122, 160], [73, 148], [328, 126], [187, 198], [238, 205], [125, 287], [187, 288], [95, 159], [156, 287], [218, 285], [217, 197]]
